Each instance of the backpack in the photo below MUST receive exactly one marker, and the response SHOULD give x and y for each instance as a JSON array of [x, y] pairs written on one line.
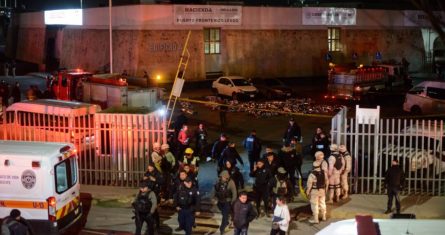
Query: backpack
[[320, 179], [12, 227], [222, 191], [281, 187], [338, 164], [142, 204]]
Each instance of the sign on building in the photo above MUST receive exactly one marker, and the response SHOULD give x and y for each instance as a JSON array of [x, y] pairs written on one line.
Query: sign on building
[[420, 18], [329, 16], [207, 15]]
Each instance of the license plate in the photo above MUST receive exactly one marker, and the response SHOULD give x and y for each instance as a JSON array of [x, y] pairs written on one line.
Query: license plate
[[251, 96]]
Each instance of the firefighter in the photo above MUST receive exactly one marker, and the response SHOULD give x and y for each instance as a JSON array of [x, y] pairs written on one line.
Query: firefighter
[[191, 160], [145, 205], [347, 169], [336, 166], [187, 202], [316, 191]]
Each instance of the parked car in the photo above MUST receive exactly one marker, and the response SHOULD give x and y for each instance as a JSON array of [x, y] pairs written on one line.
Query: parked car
[[235, 87], [428, 97], [417, 149], [273, 88]]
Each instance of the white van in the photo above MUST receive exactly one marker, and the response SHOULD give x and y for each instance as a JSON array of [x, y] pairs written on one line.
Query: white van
[[427, 97], [50, 120], [41, 180]]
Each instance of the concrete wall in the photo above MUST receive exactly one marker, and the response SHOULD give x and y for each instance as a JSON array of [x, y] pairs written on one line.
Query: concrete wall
[[270, 42]]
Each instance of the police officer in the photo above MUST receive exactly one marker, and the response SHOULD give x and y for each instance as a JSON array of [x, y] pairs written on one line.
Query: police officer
[[316, 191], [293, 130], [261, 187], [336, 166], [225, 193], [187, 202], [253, 146], [145, 205], [201, 138], [394, 180], [16, 224], [345, 174]]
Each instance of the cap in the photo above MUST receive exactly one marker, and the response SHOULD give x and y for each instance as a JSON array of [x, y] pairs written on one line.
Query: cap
[[281, 170], [224, 174], [14, 213], [319, 155], [156, 145], [333, 147], [189, 151], [223, 135], [165, 146]]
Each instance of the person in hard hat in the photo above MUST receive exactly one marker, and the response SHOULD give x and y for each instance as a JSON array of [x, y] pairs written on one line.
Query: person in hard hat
[[156, 156], [191, 160], [336, 166], [345, 174], [317, 185]]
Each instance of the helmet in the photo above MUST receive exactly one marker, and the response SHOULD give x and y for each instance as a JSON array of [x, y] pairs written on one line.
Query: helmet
[[189, 151], [319, 155], [342, 148], [334, 147], [156, 145], [165, 146]]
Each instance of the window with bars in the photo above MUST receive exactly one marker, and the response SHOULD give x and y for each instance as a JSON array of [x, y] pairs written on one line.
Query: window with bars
[[212, 41], [334, 39]]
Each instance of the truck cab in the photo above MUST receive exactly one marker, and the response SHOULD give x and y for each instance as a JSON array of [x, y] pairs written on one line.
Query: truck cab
[[67, 84]]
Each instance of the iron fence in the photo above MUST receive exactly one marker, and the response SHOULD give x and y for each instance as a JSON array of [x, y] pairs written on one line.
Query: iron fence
[[113, 149], [418, 145]]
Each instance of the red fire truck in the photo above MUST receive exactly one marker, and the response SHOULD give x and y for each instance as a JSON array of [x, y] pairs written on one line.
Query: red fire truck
[[351, 83], [67, 84]]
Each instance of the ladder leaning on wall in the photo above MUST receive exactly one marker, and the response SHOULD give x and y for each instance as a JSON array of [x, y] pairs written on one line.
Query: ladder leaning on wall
[[178, 83]]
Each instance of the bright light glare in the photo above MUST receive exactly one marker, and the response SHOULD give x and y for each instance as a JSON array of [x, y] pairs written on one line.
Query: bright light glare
[[158, 77], [64, 17], [161, 112]]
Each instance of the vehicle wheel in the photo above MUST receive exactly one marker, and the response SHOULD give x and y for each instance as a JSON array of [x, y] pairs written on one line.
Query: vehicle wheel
[[234, 96], [415, 110], [215, 91]]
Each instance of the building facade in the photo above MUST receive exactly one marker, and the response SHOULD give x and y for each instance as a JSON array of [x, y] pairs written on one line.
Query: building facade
[[229, 40]]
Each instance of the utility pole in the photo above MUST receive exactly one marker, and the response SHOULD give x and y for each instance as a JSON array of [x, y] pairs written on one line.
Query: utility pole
[[111, 36]]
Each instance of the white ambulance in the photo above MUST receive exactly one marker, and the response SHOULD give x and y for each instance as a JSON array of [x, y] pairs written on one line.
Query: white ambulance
[[41, 180]]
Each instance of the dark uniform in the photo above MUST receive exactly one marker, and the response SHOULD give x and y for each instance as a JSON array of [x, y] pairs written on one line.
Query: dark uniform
[[225, 192], [290, 161], [187, 202], [219, 146], [229, 154], [201, 137], [253, 146], [157, 180], [394, 180], [293, 130], [145, 205], [261, 187]]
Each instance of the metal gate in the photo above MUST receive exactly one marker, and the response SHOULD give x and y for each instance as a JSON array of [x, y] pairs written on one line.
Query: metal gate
[[113, 148], [418, 145]]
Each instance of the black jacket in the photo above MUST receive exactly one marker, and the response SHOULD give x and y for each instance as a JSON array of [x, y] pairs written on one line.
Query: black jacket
[[272, 166], [236, 176], [395, 178], [187, 198], [289, 158], [291, 132], [218, 148], [230, 154], [262, 178], [242, 214]]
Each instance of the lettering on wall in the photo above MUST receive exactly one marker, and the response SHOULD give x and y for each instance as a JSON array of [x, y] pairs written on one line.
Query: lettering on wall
[[164, 47], [207, 15]]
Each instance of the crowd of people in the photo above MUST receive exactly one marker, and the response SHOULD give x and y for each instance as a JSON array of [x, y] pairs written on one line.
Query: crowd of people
[[173, 168]]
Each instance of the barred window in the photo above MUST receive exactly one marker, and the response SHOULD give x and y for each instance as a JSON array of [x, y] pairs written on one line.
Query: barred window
[[212, 41], [334, 39]]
